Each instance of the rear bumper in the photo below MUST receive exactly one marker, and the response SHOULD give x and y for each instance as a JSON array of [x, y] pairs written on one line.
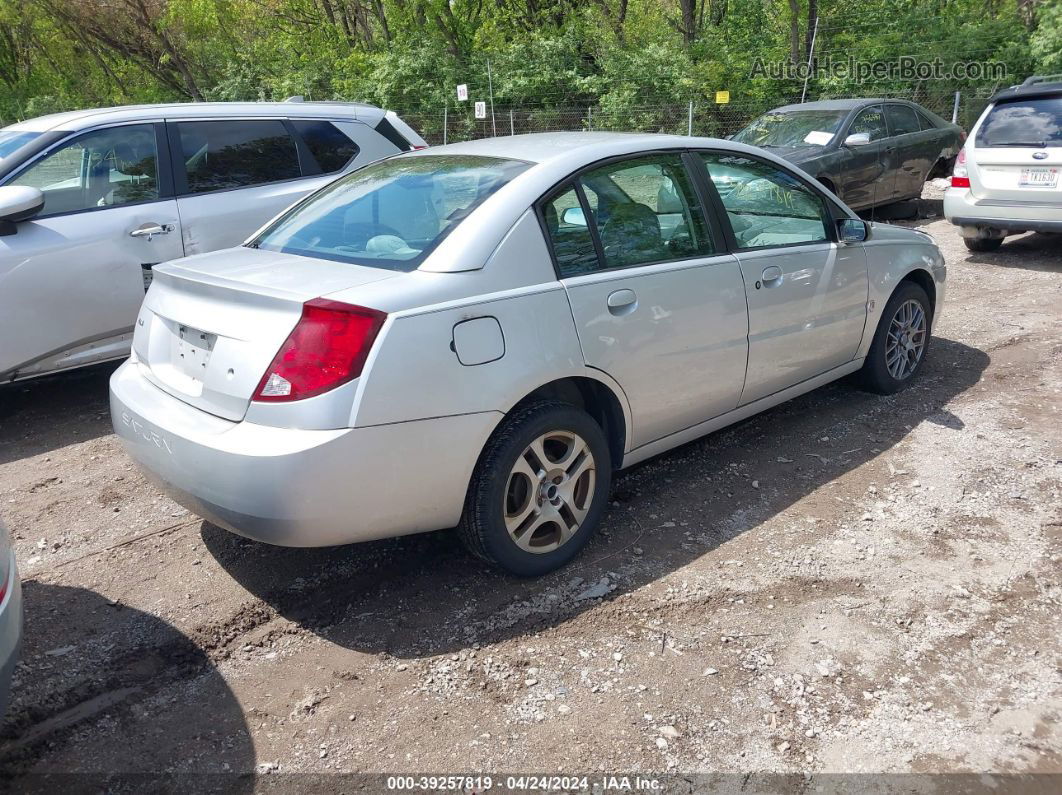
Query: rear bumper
[[962, 209], [295, 487], [10, 634]]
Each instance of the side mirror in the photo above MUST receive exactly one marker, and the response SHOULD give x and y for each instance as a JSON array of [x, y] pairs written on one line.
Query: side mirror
[[852, 230], [857, 139], [574, 216], [18, 203]]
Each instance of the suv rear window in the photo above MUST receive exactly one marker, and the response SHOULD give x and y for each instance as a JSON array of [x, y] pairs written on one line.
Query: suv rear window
[[390, 214], [1033, 122]]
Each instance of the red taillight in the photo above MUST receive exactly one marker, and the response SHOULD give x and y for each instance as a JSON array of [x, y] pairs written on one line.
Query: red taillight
[[959, 176], [327, 347]]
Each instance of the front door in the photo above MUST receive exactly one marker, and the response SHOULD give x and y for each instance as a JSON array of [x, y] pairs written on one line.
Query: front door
[[867, 177], [807, 294], [72, 278], [655, 306]]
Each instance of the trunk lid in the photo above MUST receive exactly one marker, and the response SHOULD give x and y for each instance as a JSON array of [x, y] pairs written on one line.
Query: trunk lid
[[210, 325], [1017, 174]]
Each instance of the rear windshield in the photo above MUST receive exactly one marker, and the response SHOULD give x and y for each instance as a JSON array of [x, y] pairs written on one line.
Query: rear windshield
[[12, 140], [1027, 122], [390, 214]]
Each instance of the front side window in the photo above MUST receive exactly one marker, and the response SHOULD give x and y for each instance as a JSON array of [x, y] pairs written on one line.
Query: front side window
[[872, 122], [902, 120], [219, 155], [794, 128], [390, 214], [1027, 122], [329, 145], [766, 205], [102, 168]]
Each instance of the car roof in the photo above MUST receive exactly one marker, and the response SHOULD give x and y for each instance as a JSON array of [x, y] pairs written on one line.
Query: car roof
[[832, 104], [1033, 87], [545, 148], [93, 117]]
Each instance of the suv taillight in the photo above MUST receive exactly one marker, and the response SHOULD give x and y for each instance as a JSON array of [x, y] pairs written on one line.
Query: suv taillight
[[959, 176], [327, 347]]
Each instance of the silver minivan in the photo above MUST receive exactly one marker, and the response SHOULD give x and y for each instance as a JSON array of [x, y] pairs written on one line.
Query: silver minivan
[[91, 200]]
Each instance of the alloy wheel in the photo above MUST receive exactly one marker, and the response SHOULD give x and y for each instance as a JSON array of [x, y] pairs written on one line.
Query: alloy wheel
[[549, 491], [906, 340]]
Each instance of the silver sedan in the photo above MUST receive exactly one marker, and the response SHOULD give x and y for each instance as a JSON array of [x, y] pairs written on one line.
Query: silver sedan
[[480, 334], [10, 616]]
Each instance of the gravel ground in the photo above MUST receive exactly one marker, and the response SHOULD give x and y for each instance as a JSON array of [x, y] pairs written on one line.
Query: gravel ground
[[847, 583]]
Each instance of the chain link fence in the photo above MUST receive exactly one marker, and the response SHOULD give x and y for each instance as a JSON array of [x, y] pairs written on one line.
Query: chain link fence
[[713, 120]]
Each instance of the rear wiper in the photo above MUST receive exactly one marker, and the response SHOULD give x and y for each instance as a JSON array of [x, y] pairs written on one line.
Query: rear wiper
[[1033, 144]]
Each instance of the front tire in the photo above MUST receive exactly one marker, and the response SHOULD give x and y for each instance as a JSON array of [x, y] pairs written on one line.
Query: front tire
[[900, 342], [982, 244], [539, 489]]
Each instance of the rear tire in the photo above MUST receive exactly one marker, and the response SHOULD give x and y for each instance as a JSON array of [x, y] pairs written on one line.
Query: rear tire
[[982, 244], [900, 341], [539, 489]]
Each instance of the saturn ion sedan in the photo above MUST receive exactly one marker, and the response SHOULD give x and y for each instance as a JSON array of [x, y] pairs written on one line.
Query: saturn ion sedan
[[479, 335]]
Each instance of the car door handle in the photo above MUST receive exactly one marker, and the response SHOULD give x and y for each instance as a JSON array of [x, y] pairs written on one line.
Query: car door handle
[[771, 276], [622, 302], [149, 230]]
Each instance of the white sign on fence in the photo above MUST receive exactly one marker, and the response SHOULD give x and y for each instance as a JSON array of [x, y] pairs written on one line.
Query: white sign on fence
[[462, 92], [481, 110]]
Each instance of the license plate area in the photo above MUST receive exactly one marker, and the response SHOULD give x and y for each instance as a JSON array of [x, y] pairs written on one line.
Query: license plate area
[[192, 350], [1038, 178]]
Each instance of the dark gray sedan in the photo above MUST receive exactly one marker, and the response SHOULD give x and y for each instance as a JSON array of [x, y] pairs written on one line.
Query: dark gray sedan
[[867, 151]]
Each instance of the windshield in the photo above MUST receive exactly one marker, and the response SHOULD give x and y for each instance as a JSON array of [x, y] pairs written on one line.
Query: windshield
[[390, 214], [11, 140], [793, 128], [1028, 122]]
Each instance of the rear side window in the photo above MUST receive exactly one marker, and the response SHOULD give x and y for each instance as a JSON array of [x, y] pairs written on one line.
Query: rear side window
[[902, 119], [925, 121], [569, 233], [218, 155], [1030, 122], [329, 145]]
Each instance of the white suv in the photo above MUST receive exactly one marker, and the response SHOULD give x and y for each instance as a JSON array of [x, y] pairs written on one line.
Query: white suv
[[91, 200], [1006, 178]]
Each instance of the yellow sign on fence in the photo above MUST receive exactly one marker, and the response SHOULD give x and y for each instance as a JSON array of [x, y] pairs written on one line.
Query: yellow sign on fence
[[722, 97]]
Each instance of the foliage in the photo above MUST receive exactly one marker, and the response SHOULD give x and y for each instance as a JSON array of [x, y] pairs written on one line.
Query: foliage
[[622, 59]]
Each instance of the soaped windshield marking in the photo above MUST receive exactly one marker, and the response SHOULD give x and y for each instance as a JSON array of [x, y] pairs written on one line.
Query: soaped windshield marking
[[793, 128], [390, 214]]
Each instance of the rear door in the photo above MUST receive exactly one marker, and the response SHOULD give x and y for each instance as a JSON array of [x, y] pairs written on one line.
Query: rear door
[[72, 278], [807, 294], [916, 149], [657, 304], [1017, 153], [233, 175]]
